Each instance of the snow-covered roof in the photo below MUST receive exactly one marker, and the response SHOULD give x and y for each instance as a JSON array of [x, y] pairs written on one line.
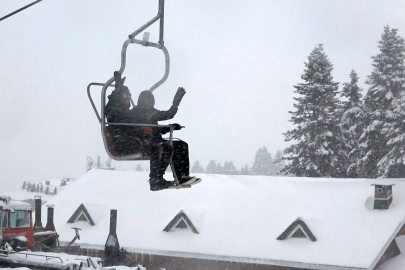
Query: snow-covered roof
[[238, 217], [15, 205]]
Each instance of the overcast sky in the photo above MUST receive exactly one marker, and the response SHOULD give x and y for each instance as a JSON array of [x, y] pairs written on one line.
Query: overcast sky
[[238, 61]]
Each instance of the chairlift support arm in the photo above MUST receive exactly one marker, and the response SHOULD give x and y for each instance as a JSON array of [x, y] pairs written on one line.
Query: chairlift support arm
[[160, 15]]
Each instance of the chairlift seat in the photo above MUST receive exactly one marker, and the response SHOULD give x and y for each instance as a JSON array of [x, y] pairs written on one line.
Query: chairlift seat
[[138, 154]]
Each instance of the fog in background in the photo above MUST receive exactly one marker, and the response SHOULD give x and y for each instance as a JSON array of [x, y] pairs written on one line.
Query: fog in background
[[238, 61]]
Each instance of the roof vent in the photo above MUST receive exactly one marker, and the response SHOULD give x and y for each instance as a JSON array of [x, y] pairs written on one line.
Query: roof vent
[[81, 214], [382, 196], [180, 221], [297, 229]]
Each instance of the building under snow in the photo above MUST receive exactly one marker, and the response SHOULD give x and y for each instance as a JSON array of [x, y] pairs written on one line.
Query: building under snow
[[238, 222]]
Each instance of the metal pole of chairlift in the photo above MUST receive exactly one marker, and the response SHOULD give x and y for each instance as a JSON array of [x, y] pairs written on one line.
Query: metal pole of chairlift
[[162, 17], [18, 10], [176, 180], [123, 55], [1, 225]]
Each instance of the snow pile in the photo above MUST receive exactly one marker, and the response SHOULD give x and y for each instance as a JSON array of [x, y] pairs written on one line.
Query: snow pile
[[238, 217]]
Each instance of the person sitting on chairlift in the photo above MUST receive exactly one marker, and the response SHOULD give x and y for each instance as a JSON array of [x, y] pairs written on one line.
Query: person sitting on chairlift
[[158, 148], [123, 138], [126, 139]]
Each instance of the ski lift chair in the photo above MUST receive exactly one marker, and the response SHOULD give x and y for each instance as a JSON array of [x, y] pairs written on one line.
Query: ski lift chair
[[109, 147]]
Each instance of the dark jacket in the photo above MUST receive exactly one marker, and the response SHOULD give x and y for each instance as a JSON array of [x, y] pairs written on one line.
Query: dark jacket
[[117, 112], [145, 113]]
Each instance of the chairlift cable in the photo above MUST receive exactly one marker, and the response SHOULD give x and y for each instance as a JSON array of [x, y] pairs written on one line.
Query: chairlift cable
[[21, 9]]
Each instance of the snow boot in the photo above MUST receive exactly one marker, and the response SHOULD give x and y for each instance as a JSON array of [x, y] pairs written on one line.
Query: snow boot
[[157, 183], [196, 181], [188, 180]]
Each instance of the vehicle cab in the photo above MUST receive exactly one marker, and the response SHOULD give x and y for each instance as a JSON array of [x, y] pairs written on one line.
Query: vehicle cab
[[16, 221]]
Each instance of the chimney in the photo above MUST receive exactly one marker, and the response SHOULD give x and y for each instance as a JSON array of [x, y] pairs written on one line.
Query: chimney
[[382, 196], [49, 224], [38, 224], [112, 246]]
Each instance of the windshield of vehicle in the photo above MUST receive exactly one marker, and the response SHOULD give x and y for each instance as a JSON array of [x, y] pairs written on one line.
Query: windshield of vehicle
[[20, 219], [5, 220]]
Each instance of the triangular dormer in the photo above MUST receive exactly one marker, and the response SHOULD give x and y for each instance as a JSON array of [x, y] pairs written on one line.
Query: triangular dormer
[[297, 229], [180, 221], [81, 214]]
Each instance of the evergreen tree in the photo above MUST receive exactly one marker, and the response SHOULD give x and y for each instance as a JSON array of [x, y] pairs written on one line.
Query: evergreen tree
[[279, 162], [211, 167], [317, 151], [382, 140], [138, 168], [219, 169], [247, 172], [352, 122], [263, 162], [229, 168], [197, 168], [392, 164]]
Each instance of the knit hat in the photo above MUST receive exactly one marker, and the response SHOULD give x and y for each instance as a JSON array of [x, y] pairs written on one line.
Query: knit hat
[[146, 99]]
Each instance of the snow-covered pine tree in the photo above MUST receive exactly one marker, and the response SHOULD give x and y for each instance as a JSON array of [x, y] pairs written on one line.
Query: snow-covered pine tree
[[218, 169], [382, 140], [317, 149], [246, 170], [263, 162], [229, 168], [242, 171], [279, 162], [392, 165], [138, 168], [226, 166], [197, 167], [352, 122], [211, 167]]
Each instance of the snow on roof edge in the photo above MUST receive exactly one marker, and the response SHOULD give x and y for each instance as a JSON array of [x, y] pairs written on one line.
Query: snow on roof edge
[[229, 258], [382, 251]]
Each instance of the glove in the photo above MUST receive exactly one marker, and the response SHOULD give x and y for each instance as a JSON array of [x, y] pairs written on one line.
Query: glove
[[117, 76], [179, 95], [164, 130], [176, 126], [118, 81]]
